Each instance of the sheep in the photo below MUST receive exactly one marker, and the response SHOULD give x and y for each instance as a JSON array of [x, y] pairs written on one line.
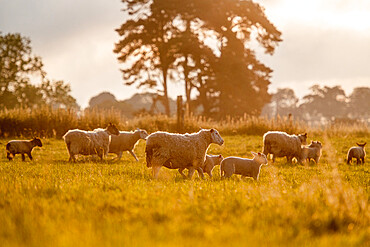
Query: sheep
[[313, 151], [89, 142], [357, 152], [244, 167], [21, 147], [176, 151], [281, 144], [208, 165], [126, 141]]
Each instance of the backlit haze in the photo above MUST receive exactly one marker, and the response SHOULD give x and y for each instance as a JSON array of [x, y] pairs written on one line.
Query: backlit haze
[[324, 42]]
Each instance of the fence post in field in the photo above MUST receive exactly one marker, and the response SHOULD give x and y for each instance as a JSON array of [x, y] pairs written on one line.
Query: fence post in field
[[180, 115]]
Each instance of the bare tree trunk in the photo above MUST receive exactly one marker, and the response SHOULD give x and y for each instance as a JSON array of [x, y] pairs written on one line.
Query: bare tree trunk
[[165, 94]]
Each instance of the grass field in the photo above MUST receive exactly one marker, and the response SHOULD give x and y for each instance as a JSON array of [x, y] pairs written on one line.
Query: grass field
[[50, 202]]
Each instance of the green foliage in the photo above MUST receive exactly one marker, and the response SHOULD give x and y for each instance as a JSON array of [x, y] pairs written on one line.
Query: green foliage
[[17, 66], [52, 202]]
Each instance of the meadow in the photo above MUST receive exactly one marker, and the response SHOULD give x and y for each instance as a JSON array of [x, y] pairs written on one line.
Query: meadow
[[50, 202]]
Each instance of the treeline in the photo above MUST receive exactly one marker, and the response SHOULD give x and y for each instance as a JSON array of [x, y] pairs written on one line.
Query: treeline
[[323, 104]]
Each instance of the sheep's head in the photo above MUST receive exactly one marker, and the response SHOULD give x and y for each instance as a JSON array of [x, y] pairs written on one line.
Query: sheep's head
[[361, 145], [112, 129], [216, 160], [143, 133], [315, 144], [37, 142], [303, 138], [216, 138], [260, 158]]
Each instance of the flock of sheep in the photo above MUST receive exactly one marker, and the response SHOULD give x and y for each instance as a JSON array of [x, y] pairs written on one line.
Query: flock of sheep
[[184, 151]]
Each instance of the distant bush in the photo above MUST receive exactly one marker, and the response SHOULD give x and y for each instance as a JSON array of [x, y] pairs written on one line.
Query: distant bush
[[48, 122]]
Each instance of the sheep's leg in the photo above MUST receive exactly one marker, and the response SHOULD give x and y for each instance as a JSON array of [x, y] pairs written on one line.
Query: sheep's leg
[[181, 172], [23, 157], [133, 154], [8, 155], [358, 161], [155, 171], [200, 172], [29, 155], [363, 160], [273, 158], [349, 160], [191, 172], [210, 174]]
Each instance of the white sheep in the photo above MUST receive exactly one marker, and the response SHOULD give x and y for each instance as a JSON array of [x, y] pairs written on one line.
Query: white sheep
[[126, 141], [281, 144], [357, 152], [176, 151], [244, 167], [21, 147], [312, 151], [89, 142], [208, 165]]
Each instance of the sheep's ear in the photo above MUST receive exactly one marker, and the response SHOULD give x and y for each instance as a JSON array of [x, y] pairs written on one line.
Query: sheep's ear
[[254, 154], [305, 134], [365, 143], [358, 144], [212, 130], [220, 156]]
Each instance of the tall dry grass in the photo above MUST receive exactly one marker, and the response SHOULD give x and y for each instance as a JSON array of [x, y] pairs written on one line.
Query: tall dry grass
[[47, 122]]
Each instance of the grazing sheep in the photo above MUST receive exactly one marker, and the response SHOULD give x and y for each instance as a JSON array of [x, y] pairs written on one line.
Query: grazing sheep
[[21, 147], [357, 152], [89, 142], [208, 165], [280, 144], [176, 151], [313, 151], [126, 141], [244, 167]]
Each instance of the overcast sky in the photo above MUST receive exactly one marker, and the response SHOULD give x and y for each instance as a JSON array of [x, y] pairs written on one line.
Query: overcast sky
[[324, 42]]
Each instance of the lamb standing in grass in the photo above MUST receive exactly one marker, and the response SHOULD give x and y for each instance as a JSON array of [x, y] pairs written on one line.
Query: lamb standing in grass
[[176, 151], [126, 141], [208, 165], [280, 144], [89, 142], [21, 147], [244, 167], [357, 152], [313, 151]]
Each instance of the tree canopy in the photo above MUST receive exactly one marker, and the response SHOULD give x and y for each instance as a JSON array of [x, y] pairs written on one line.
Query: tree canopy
[[17, 67], [209, 51]]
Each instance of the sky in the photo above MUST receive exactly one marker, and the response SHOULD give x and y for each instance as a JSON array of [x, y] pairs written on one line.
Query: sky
[[324, 42]]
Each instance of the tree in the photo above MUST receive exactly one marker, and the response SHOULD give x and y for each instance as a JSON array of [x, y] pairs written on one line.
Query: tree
[[283, 102], [17, 64], [328, 102], [359, 102], [146, 48], [168, 36]]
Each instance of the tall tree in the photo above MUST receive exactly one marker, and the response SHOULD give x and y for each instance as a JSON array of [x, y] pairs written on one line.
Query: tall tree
[[160, 32], [326, 101], [146, 48], [17, 65], [359, 103]]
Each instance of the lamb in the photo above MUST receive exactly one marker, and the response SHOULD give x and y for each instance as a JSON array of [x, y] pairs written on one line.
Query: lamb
[[21, 147], [89, 142], [244, 167], [313, 151], [176, 151], [281, 144], [208, 165], [126, 141], [357, 152]]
